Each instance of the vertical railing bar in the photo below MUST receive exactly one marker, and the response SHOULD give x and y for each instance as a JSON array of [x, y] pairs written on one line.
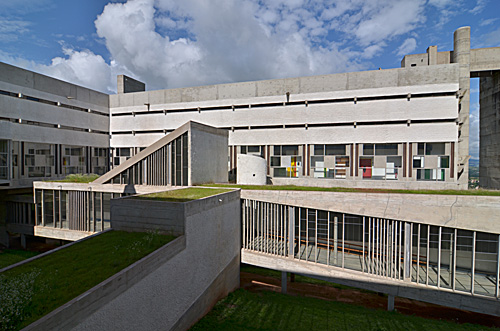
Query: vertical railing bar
[[418, 254], [439, 256], [454, 258], [427, 259], [316, 239], [363, 248], [497, 290], [473, 262], [328, 239], [343, 239], [370, 270]]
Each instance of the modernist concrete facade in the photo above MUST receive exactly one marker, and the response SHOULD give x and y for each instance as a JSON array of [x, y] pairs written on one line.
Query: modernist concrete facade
[[399, 128]]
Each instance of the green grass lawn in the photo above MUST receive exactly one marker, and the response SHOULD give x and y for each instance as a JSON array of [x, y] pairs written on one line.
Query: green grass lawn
[[32, 290], [183, 195], [11, 256], [244, 310], [78, 178], [356, 190], [298, 278]]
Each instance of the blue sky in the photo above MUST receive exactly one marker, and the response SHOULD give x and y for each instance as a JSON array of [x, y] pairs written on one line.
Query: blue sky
[[177, 43]]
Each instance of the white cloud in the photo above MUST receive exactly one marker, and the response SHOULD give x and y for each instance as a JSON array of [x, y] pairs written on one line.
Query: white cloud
[[474, 133], [10, 29], [488, 21], [480, 4], [408, 46], [169, 43]]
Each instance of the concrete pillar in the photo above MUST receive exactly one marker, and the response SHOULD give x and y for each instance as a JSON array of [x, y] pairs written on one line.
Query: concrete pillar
[[23, 241], [432, 53], [489, 131], [4, 237], [390, 302], [461, 55], [283, 281]]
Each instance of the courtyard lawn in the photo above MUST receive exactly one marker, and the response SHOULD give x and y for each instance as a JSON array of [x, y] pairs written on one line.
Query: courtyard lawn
[[356, 190], [184, 195], [78, 178], [11, 256], [32, 290], [244, 310]]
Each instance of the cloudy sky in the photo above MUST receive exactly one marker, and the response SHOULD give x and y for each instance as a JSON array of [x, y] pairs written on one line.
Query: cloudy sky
[[179, 43]]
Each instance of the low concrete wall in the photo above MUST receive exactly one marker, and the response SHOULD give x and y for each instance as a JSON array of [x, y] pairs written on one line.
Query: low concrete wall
[[476, 213], [173, 294], [139, 215]]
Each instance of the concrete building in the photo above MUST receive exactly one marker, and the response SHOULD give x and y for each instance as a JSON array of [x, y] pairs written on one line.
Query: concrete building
[[394, 128]]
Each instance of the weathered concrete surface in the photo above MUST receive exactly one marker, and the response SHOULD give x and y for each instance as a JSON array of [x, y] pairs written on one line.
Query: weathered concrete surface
[[208, 155], [176, 293], [78, 309], [477, 213], [63, 234], [489, 131], [252, 170], [141, 215], [476, 303]]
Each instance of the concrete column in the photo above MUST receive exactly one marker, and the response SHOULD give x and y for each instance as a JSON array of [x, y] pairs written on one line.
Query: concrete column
[[461, 55], [432, 55], [283, 282], [390, 302], [4, 236], [23, 241], [489, 131]]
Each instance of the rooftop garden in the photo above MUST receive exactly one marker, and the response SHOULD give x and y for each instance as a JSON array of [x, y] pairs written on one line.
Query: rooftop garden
[[11, 256], [183, 195], [245, 310], [478, 192], [78, 178], [32, 290]]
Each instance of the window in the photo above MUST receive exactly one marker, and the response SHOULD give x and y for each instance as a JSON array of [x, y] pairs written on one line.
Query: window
[[418, 162], [380, 149], [286, 161], [431, 149], [329, 161]]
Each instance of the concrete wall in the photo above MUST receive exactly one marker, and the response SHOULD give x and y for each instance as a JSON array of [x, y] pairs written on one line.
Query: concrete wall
[[489, 131], [140, 215], [252, 170], [171, 288], [477, 213], [300, 85], [208, 155]]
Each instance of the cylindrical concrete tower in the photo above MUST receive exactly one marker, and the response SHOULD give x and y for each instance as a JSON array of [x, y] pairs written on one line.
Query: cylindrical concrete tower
[[461, 55]]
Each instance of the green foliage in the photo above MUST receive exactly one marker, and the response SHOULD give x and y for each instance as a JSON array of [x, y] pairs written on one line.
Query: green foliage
[[357, 190], [32, 290], [11, 256], [79, 178], [183, 195], [243, 310]]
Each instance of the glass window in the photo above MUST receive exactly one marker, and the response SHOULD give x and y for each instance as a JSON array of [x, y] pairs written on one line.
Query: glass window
[[418, 162], [444, 162], [386, 149], [421, 149], [365, 162], [243, 149], [368, 149], [434, 149], [394, 161], [253, 149], [335, 149], [319, 149], [275, 161], [277, 150], [290, 150]]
